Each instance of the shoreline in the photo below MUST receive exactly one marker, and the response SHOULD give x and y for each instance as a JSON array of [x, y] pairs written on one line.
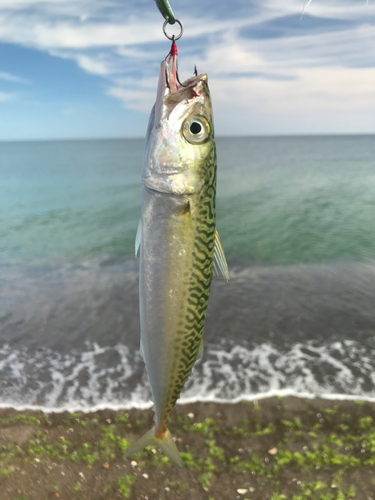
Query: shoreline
[[189, 401], [72, 335], [277, 448]]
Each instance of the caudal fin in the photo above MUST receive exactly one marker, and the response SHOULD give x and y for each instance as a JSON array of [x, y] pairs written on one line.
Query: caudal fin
[[166, 443]]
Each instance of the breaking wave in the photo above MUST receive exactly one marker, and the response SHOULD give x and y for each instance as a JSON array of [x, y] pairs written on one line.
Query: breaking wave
[[114, 377]]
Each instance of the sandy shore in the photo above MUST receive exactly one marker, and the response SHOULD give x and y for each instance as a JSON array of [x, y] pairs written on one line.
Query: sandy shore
[[278, 448]]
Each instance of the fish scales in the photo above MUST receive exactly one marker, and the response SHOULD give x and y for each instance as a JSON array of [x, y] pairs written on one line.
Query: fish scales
[[187, 244], [180, 247], [197, 282]]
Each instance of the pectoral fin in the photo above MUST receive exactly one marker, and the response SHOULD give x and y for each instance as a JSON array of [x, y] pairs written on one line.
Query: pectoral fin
[[141, 351], [200, 351], [220, 263], [138, 237]]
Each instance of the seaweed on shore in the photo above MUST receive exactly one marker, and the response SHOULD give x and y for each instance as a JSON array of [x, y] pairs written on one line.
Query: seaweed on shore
[[273, 449]]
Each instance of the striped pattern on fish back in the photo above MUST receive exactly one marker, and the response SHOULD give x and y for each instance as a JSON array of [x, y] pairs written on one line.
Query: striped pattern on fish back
[[190, 335]]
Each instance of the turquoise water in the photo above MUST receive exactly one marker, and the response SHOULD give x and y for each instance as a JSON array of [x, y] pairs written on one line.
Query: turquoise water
[[68, 199], [291, 200], [296, 217], [280, 200]]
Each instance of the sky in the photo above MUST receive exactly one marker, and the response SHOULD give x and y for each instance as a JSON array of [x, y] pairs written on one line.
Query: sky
[[89, 68]]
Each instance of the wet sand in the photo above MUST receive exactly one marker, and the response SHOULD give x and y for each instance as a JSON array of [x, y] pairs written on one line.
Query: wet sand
[[276, 448]]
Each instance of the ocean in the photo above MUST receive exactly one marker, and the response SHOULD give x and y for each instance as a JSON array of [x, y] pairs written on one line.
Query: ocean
[[296, 218]]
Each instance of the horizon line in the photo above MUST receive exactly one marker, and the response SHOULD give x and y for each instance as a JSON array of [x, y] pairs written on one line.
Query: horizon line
[[255, 136]]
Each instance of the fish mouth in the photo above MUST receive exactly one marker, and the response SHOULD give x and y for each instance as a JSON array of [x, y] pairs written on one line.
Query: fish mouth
[[163, 188], [169, 94], [153, 188]]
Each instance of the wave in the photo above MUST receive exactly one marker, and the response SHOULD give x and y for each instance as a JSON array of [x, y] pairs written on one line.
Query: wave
[[114, 376]]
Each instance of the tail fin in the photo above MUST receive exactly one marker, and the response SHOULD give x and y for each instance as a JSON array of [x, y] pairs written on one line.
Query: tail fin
[[166, 443]]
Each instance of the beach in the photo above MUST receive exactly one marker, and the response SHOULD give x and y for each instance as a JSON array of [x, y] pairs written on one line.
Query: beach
[[295, 216], [295, 321], [71, 335], [274, 448]]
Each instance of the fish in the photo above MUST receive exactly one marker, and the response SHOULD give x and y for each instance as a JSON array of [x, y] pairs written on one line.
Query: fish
[[180, 248]]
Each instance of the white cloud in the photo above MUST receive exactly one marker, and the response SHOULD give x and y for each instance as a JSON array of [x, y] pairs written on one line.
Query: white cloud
[[319, 100], [284, 56], [137, 99], [8, 77], [7, 96], [298, 73], [331, 9], [92, 65], [314, 89], [83, 24]]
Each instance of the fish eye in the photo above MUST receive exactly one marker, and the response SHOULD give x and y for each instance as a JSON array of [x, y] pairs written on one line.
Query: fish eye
[[196, 130]]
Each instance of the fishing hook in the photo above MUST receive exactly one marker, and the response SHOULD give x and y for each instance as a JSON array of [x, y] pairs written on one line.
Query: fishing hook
[[173, 54], [166, 11], [178, 79]]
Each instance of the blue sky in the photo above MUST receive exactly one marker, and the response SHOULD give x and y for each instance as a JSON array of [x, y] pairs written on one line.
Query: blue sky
[[88, 68]]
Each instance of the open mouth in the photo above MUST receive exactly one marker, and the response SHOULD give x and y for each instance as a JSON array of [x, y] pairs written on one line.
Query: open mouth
[[170, 85]]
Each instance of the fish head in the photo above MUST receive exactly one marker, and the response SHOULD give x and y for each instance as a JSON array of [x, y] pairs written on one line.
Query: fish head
[[180, 146]]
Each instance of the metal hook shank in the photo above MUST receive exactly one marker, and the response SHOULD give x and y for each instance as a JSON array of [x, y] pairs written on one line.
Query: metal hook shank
[[166, 11]]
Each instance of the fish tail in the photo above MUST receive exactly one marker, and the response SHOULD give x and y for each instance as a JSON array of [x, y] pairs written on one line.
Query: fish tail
[[165, 442]]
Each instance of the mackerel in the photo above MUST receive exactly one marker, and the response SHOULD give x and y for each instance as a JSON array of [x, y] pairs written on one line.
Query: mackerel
[[180, 249]]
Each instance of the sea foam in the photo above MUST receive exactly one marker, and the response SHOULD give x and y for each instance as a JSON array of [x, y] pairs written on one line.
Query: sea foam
[[113, 377]]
